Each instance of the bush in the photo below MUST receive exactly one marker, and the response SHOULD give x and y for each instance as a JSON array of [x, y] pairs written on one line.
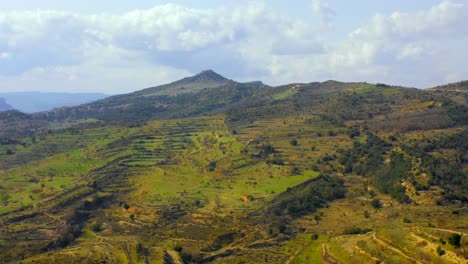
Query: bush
[[455, 240], [97, 227], [275, 161], [295, 171], [356, 231], [293, 142], [314, 236], [186, 257], [178, 248], [366, 214], [281, 227], [440, 251], [406, 220], [376, 203], [212, 166]]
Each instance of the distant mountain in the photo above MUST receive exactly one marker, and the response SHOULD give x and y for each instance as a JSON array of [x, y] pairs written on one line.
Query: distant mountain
[[203, 92], [456, 87], [288, 162], [203, 80], [30, 102], [4, 106]]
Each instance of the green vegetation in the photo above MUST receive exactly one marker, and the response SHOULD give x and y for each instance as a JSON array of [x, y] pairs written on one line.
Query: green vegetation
[[454, 240], [376, 203], [208, 170], [356, 230]]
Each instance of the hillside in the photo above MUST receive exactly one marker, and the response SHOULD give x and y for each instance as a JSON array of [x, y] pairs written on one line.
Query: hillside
[[209, 170], [204, 92]]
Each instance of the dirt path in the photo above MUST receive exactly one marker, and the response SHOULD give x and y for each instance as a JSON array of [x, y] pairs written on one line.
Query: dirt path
[[327, 257], [394, 249], [173, 257], [450, 231], [299, 251]]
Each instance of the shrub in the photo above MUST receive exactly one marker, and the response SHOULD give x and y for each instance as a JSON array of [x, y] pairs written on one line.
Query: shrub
[[186, 257], [178, 248], [454, 240], [295, 170], [97, 227], [293, 142], [314, 236], [406, 220], [212, 166], [440, 251], [281, 227], [356, 231], [366, 214], [275, 161], [376, 203]]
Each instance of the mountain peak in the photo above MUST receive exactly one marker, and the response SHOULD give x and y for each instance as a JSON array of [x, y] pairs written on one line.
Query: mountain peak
[[209, 75], [205, 79]]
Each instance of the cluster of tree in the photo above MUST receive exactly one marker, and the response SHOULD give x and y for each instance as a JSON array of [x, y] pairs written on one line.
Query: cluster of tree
[[367, 159], [449, 174], [307, 197], [390, 177], [364, 158]]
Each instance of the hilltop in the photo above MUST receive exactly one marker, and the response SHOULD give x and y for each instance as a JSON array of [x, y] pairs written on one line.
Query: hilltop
[[204, 80], [210, 170]]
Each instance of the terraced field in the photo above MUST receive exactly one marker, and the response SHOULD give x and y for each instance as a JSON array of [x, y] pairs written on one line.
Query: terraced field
[[288, 181]]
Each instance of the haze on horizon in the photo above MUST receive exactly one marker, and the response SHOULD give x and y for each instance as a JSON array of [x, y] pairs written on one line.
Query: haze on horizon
[[112, 47]]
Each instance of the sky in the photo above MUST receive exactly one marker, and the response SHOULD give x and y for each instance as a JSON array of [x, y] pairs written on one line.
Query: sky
[[122, 46]]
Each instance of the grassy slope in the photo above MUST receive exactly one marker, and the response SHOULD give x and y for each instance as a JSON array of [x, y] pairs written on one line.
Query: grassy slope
[[183, 182]]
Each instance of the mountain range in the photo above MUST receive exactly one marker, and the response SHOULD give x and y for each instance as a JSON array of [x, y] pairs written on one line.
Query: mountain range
[[210, 170], [31, 102]]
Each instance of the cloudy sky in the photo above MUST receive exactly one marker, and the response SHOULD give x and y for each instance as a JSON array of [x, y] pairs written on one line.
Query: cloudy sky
[[120, 46]]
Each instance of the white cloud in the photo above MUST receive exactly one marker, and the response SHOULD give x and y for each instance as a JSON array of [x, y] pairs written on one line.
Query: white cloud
[[62, 50], [4, 55], [173, 37], [420, 49], [323, 10]]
